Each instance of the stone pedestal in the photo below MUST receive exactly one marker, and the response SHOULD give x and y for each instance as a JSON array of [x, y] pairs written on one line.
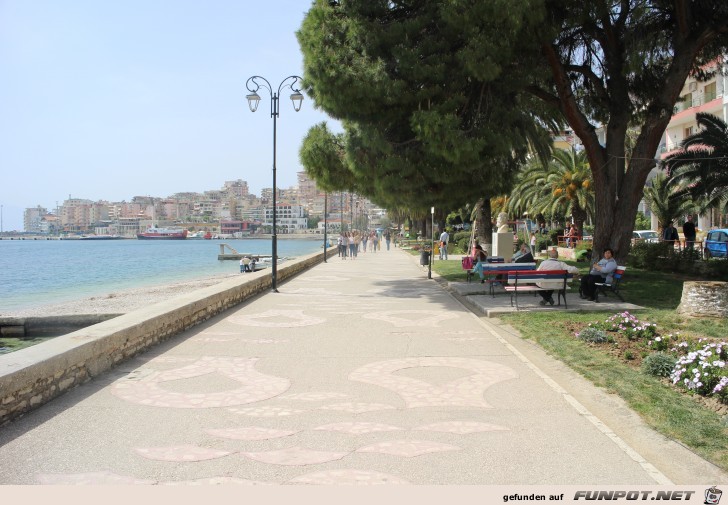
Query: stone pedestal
[[503, 245], [704, 299]]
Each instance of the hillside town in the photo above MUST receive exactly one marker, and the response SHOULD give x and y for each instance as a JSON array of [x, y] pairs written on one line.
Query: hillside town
[[231, 211]]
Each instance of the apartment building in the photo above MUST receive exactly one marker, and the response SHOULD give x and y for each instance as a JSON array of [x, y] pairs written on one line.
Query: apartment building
[[33, 218], [709, 97], [289, 218]]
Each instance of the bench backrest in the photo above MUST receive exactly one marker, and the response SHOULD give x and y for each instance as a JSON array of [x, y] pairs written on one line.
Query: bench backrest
[[509, 266], [529, 277], [617, 275]]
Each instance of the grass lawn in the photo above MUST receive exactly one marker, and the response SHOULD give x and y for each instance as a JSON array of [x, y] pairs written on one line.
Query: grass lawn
[[669, 410]]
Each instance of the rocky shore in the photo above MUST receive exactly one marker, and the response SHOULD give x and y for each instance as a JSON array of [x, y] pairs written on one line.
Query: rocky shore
[[119, 302]]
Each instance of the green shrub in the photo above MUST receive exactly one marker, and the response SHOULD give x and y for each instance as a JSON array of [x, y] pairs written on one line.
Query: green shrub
[[594, 335], [554, 235], [659, 364], [462, 240], [542, 242], [649, 256]]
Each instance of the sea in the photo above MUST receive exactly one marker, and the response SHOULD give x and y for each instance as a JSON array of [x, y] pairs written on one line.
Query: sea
[[41, 272]]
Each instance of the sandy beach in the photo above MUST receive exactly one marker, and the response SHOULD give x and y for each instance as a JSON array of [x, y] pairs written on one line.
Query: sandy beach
[[120, 302]]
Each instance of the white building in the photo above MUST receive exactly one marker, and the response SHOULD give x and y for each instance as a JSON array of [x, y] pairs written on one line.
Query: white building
[[289, 218]]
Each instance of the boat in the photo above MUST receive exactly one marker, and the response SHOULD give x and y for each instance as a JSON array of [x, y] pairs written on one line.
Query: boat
[[154, 233], [198, 235], [100, 237]]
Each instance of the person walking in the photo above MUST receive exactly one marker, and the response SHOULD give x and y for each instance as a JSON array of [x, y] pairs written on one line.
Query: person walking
[[444, 238], [387, 238], [533, 244]]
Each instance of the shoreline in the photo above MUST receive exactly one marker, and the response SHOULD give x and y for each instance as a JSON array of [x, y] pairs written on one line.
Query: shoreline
[[120, 301]]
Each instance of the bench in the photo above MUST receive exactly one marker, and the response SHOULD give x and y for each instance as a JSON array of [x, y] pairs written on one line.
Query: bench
[[498, 272], [520, 281], [468, 265], [612, 287]]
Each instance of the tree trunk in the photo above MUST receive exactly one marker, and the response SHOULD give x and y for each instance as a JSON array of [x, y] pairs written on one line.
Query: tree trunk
[[483, 225]]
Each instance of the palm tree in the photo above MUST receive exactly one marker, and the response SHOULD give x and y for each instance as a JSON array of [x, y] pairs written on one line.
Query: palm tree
[[666, 201], [563, 187], [700, 166]]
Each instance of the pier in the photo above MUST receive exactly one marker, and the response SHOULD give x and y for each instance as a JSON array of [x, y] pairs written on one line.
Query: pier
[[235, 255]]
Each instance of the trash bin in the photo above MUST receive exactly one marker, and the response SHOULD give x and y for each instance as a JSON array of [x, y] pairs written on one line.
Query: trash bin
[[425, 258]]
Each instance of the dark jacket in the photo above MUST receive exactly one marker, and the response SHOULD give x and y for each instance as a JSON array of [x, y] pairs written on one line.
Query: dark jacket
[[526, 258], [670, 233]]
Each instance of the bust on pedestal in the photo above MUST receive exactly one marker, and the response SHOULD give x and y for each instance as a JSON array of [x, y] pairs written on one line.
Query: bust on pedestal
[[503, 238]]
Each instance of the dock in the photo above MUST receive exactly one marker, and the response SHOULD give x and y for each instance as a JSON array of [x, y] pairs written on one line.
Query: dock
[[235, 255]]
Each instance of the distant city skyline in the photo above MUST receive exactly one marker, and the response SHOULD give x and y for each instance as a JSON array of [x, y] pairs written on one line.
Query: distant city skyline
[[108, 100]]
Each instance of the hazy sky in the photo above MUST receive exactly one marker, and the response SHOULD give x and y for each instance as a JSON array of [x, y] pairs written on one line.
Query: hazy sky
[[107, 100]]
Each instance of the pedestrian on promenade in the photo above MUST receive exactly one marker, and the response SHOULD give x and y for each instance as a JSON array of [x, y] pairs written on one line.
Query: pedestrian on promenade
[[352, 245], [387, 238], [444, 239]]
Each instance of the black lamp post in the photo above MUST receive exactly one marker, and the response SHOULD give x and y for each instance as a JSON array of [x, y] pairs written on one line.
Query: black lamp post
[[432, 241], [326, 225], [254, 84]]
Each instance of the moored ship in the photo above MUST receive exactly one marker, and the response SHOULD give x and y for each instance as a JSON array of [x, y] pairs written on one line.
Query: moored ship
[[163, 233]]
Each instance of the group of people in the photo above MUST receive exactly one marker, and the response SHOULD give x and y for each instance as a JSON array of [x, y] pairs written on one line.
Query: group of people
[[601, 272], [350, 243], [247, 264], [669, 233]]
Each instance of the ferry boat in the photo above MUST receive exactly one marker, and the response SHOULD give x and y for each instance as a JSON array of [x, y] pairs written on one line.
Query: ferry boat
[[154, 233]]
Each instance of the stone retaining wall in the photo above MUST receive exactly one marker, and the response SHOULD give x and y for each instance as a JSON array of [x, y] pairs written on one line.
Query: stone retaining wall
[[35, 375]]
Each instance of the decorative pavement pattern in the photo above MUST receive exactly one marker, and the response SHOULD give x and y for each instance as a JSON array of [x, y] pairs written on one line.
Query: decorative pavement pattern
[[278, 423]]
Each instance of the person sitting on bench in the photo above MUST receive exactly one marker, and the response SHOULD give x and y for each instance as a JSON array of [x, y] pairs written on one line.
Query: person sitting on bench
[[552, 263], [523, 255], [600, 272], [479, 258]]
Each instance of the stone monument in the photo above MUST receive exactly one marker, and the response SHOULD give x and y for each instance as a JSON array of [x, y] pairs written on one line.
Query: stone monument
[[503, 238]]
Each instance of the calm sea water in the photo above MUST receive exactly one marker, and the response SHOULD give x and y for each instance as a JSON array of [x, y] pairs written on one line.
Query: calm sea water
[[39, 272]]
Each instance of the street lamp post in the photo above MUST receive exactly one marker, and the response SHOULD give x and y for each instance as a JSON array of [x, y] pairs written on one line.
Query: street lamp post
[[432, 241], [254, 84], [326, 226]]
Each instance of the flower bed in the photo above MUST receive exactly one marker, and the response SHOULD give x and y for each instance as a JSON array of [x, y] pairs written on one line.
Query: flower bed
[[699, 366]]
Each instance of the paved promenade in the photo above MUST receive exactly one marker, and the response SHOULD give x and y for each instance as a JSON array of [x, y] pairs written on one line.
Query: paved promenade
[[359, 371]]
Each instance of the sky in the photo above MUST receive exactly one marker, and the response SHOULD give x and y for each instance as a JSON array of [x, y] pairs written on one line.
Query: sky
[[107, 100]]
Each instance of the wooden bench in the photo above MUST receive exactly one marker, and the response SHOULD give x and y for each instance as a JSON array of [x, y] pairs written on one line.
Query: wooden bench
[[469, 271], [498, 272], [524, 281], [612, 287]]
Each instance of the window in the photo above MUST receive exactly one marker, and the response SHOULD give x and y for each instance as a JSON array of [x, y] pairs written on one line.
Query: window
[[710, 93], [688, 131], [687, 101]]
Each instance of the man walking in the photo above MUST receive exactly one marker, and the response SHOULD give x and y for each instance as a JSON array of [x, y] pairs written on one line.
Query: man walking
[[444, 238]]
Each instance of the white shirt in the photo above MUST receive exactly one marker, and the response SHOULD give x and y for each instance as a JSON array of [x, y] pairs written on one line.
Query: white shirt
[[444, 237], [554, 264]]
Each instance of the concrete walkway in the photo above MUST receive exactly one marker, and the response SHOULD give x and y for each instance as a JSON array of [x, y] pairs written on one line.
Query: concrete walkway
[[358, 371]]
